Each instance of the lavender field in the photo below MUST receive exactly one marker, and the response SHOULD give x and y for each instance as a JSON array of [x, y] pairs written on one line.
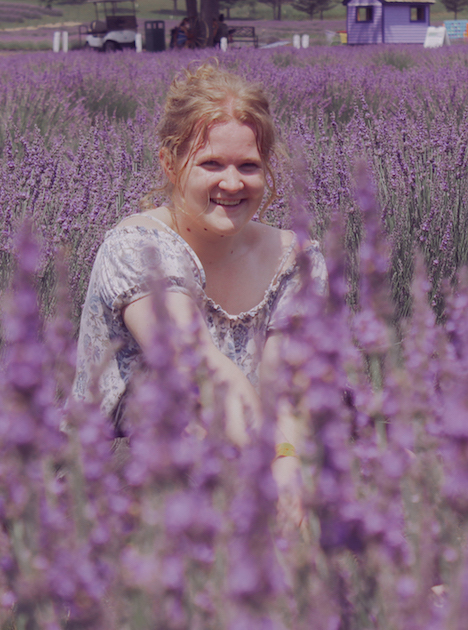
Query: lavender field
[[182, 534]]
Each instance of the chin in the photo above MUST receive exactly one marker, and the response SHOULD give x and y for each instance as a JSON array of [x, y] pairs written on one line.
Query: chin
[[231, 223], [228, 227]]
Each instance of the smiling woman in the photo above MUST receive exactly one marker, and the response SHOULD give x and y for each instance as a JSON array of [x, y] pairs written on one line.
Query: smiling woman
[[234, 277], [223, 183]]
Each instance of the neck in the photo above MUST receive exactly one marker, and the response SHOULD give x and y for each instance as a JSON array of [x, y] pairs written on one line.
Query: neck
[[212, 248]]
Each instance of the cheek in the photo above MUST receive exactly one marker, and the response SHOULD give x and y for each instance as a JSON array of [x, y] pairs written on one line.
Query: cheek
[[260, 184], [198, 186], [200, 182]]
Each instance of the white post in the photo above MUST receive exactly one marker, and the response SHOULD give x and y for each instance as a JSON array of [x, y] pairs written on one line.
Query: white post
[[223, 44], [305, 41], [56, 42], [139, 43], [296, 41], [65, 41]]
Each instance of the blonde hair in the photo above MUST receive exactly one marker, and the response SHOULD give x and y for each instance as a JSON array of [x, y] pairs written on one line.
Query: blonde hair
[[201, 98]]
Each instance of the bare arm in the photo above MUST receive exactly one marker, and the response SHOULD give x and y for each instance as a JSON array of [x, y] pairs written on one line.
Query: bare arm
[[286, 470], [241, 399]]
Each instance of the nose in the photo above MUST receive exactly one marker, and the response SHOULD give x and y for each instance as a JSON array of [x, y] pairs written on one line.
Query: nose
[[231, 180]]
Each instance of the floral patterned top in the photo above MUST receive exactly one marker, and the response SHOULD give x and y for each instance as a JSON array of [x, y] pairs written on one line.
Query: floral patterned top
[[121, 275]]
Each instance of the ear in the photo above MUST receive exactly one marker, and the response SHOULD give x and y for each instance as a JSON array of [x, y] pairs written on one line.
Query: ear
[[167, 164]]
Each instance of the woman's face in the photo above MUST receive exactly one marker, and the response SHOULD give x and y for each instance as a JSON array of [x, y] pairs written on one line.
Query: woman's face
[[222, 185]]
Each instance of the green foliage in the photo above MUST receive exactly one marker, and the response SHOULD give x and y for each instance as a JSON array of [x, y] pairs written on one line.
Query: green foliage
[[314, 7], [455, 5], [401, 60], [276, 6]]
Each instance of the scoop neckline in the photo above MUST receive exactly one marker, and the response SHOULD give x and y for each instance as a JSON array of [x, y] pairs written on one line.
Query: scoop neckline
[[274, 282]]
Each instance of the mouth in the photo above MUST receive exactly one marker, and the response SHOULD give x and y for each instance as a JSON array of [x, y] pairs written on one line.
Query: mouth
[[227, 202]]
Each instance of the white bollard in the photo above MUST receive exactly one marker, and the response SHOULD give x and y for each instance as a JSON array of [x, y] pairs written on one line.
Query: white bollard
[[65, 41], [56, 42], [305, 41], [223, 44], [296, 41], [139, 42], [330, 35]]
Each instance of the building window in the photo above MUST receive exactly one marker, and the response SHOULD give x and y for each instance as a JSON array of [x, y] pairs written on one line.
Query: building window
[[418, 14], [365, 14]]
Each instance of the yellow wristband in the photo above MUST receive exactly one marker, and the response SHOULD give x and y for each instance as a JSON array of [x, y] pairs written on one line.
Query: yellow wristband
[[285, 450]]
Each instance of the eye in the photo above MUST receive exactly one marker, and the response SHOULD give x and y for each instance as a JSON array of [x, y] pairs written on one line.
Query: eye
[[210, 164], [250, 167]]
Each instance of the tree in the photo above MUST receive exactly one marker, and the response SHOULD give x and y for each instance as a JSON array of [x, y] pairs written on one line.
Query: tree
[[276, 6], [209, 11], [312, 7], [455, 5], [192, 10], [227, 6]]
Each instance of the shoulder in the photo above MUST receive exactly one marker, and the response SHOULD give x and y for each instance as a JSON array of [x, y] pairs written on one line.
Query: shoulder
[[137, 245], [287, 242], [138, 235], [273, 249], [284, 250], [151, 219], [269, 232], [271, 236], [133, 256], [272, 239], [306, 271], [317, 267]]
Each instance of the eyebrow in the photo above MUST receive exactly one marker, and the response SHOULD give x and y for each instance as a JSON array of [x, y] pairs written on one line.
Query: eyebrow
[[212, 156]]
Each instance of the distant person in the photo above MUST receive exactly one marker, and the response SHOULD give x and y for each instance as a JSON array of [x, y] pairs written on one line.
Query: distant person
[[215, 32], [221, 30], [179, 34]]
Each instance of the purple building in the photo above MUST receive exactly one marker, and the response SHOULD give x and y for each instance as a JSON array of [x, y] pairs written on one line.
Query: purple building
[[387, 21]]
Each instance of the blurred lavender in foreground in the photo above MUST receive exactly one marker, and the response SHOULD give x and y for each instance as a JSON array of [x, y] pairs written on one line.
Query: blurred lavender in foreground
[[180, 533]]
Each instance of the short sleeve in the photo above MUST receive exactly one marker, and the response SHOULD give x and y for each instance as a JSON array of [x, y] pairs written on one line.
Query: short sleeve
[[129, 260], [284, 307]]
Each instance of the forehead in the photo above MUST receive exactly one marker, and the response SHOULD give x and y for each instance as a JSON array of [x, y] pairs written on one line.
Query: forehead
[[230, 137]]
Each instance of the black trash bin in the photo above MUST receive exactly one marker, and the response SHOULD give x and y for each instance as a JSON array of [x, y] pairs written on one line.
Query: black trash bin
[[155, 36]]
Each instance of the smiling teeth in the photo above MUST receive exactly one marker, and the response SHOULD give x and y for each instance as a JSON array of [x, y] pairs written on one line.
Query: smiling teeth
[[225, 202]]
